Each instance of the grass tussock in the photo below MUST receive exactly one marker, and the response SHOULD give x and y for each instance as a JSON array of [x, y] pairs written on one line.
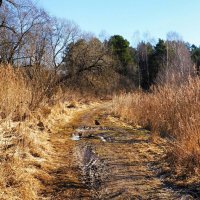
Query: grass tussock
[[172, 112]]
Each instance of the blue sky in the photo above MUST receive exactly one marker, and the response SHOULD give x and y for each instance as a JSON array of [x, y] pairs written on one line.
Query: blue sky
[[131, 18]]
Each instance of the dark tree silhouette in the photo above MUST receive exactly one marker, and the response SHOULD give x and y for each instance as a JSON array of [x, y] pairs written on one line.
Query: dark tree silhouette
[[9, 1]]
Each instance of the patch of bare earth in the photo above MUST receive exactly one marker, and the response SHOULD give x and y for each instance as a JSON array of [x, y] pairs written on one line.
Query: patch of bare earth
[[96, 156]]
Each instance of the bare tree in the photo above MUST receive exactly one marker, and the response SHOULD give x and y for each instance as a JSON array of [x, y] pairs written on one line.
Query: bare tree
[[86, 56], [18, 24], [61, 34], [179, 64], [7, 1], [143, 51], [89, 62]]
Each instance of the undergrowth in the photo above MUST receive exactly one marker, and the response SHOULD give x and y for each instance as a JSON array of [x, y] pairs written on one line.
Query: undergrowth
[[172, 112]]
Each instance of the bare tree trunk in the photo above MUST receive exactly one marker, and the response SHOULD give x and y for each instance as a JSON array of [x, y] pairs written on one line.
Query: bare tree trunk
[[147, 65]]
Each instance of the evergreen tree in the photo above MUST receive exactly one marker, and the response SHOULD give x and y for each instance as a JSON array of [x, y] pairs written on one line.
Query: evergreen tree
[[195, 55], [158, 60], [120, 48]]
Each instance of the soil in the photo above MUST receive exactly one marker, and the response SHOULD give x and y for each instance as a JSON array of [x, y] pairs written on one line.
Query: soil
[[106, 160]]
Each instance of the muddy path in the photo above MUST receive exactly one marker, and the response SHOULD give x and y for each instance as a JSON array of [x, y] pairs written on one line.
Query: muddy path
[[100, 157]]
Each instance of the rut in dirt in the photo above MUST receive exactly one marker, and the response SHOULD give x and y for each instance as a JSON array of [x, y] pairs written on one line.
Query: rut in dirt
[[107, 161]]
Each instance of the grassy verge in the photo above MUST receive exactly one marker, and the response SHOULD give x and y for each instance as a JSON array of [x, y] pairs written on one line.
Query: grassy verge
[[171, 112], [31, 109]]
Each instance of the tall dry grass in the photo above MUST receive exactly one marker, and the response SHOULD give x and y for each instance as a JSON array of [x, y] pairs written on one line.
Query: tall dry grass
[[172, 112], [24, 145], [32, 108], [14, 92], [24, 89]]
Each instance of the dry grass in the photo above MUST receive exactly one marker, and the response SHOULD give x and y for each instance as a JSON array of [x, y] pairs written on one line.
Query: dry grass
[[172, 112], [23, 151], [13, 91], [24, 132], [24, 89], [32, 108]]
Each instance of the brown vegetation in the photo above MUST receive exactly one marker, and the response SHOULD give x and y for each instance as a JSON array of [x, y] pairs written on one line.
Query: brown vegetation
[[172, 112], [24, 89], [27, 98], [47, 65]]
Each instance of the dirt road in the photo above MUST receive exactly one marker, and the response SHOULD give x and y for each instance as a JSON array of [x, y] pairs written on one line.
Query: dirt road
[[100, 157]]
